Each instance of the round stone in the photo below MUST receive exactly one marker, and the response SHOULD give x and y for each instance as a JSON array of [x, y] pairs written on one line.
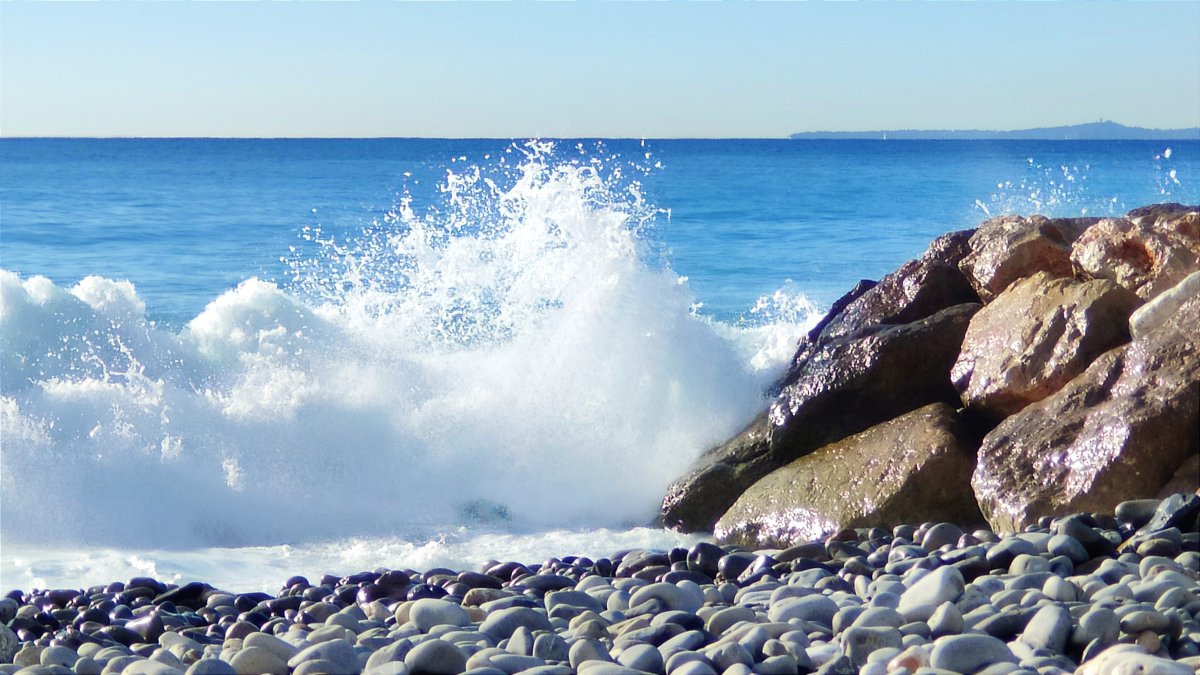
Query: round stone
[[435, 657], [642, 657], [429, 612], [969, 653], [252, 660]]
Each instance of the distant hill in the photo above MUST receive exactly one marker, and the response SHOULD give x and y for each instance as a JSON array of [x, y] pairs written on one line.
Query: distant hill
[[1094, 131]]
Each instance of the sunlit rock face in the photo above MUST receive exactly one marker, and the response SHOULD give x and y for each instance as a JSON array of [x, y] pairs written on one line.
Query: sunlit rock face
[[883, 350], [1151, 250], [1036, 336], [1009, 248], [1118, 431], [875, 478]]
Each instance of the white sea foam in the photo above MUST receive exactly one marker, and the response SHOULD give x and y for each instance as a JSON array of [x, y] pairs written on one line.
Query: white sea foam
[[513, 356]]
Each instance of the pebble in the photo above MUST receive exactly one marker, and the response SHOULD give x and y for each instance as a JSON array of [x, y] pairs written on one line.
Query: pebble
[[1071, 595]]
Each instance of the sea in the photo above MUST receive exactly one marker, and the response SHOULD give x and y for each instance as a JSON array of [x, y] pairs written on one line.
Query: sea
[[235, 361]]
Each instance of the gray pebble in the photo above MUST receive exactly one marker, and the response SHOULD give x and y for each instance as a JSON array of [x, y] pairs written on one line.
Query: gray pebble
[[435, 657], [969, 653]]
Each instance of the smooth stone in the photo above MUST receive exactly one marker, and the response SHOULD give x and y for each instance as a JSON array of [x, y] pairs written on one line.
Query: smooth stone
[[280, 648], [1098, 623], [513, 663], [258, 660], [969, 653], [676, 597], [783, 664], [816, 608], [944, 584], [859, 642], [1144, 620], [940, 535], [389, 668], [1130, 659], [435, 657], [573, 599], [318, 667], [149, 667], [879, 616], [694, 668], [642, 657], [337, 651], [550, 647], [211, 666], [947, 619], [586, 650], [1001, 555], [429, 612], [722, 619], [1049, 629], [500, 624], [55, 655]]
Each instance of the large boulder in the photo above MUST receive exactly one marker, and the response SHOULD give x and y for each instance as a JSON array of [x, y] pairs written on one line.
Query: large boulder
[[879, 477], [1116, 432], [1009, 248], [1036, 336], [1151, 250], [842, 387]]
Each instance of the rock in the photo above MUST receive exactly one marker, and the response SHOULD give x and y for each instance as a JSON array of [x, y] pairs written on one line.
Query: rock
[[9, 644], [1146, 253], [1048, 629], [252, 660], [392, 653], [1009, 248], [337, 651], [1159, 310], [816, 608], [921, 600], [969, 653], [858, 642], [1035, 337], [500, 624], [1126, 659], [874, 478], [673, 597], [844, 386], [435, 657], [211, 666], [645, 658], [1185, 480], [429, 612], [1116, 432]]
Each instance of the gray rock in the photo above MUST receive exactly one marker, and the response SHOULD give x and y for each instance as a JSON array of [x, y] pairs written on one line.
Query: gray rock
[[258, 660], [1144, 620], [946, 620], [969, 653], [586, 650], [1049, 629], [429, 612], [674, 597], [642, 657], [9, 644], [859, 642], [816, 608], [337, 651], [1098, 623], [500, 624], [550, 647], [318, 667], [211, 666], [944, 584], [389, 654], [435, 657], [783, 664]]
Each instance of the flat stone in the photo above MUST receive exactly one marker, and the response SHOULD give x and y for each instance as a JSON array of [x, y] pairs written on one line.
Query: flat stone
[[337, 651], [674, 597], [642, 657], [258, 660], [429, 612], [1049, 629], [859, 642], [435, 657], [500, 624], [816, 608], [969, 653], [211, 666], [944, 584]]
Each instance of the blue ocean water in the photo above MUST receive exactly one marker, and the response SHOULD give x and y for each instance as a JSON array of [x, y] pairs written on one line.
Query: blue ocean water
[[324, 351]]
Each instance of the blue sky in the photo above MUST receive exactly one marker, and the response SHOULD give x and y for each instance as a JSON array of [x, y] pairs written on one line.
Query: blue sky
[[590, 69]]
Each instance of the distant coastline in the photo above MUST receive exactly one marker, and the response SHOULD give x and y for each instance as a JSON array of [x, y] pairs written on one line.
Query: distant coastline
[[1093, 131]]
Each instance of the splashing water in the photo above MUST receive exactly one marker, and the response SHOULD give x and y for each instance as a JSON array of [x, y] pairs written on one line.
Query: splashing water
[[1059, 190], [514, 354]]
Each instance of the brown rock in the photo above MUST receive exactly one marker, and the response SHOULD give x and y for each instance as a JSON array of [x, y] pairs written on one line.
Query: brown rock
[[1186, 479], [914, 468], [1035, 337], [1115, 433], [1164, 306], [1152, 250], [843, 387], [1008, 248]]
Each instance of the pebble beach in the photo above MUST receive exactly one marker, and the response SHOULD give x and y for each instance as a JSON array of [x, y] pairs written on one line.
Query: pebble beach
[[1093, 594]]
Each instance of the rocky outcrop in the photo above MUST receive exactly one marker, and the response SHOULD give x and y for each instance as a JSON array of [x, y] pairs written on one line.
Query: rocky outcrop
[[875, 478], [845, 386], [884, 349], [1073, 416], [1116, 432], [1036, 336], [1151, 250], [1009, 248]]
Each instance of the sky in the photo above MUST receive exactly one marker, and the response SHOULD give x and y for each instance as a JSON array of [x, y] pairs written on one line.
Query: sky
[[590, 69]]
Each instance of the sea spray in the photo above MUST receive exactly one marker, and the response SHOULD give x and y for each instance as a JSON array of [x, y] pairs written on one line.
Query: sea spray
[[515, 355]]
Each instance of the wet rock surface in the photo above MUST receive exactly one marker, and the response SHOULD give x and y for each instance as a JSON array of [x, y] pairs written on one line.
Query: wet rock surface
[[870, 479], [1068, 595]]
